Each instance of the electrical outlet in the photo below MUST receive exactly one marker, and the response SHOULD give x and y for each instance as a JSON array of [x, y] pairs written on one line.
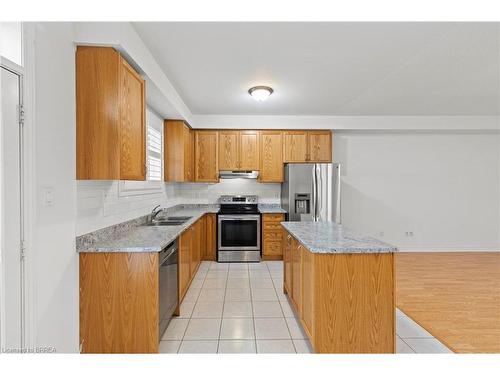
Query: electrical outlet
[[409, 234], [381, 234]]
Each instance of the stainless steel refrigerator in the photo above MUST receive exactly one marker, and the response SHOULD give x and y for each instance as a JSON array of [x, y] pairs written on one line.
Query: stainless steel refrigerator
[[311, 192]]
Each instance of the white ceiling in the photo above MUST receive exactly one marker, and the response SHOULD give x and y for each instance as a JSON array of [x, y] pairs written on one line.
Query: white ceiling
[[331, 68]]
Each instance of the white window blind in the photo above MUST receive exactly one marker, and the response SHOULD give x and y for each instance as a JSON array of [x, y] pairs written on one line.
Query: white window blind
[[154, 154]]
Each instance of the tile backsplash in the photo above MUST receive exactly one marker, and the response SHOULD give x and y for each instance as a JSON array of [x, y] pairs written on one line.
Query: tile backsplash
[[209, 193], [104, 203]]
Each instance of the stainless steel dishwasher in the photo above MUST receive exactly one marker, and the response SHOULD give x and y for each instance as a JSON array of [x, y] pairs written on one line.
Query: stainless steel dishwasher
[[168, 292]]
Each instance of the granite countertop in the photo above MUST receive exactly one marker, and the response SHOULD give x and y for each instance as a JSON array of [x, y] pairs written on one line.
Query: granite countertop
[[134, 236], [328, 237], [270, 208]]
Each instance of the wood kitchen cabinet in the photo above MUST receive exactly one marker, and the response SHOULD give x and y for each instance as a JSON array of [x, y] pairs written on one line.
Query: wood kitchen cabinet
[[178, 151], [184, 262], [287, 264], [228, 150], [301, 146], [297, 275], [272, 235], [271, 156], [249, 150], [295, 146], [345, 302], [211, 237], [110, 117], [319, 146], [119, 302], [206, 167], [192, 243], [239, 150]]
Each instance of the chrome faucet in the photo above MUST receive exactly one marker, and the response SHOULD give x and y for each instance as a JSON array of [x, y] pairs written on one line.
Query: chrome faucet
[[156, 210]]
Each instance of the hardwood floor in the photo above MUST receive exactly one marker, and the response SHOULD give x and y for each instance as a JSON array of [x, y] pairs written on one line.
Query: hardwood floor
[[455, 296]]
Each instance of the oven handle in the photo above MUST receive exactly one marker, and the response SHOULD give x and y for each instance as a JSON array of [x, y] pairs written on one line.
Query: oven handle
[[239, 218]]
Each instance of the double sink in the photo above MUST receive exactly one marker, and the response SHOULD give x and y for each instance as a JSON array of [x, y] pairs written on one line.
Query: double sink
[[169, 221]]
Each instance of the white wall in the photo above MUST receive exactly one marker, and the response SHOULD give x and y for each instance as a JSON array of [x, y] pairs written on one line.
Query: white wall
[[103, 203], [443, 187], [56, 262]]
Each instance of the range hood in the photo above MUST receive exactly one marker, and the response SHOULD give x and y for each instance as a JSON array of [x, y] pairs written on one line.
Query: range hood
[[239, 174]]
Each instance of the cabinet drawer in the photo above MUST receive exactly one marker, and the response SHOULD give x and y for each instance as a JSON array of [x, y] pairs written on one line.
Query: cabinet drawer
[[273, 236], [272, 225], [273, 248], [273, 217]]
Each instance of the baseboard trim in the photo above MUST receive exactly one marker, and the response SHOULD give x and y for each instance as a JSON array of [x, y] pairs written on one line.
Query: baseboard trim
[[448, 250]]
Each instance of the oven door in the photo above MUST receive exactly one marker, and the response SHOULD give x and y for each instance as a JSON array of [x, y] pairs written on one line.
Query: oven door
[[238, 232]]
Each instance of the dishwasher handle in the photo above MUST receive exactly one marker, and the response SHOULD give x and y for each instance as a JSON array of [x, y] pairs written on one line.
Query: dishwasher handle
[[167, 252]]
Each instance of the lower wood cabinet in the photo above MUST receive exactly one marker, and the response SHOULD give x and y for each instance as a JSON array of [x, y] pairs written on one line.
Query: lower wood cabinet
[[345, 302], [211, 238], [287, 264], [297, 275], [119, 302], [272, 236], [184, 262], [119, 299]]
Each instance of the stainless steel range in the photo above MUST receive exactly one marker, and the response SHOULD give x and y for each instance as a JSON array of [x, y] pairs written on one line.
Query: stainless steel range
[[238, 229]]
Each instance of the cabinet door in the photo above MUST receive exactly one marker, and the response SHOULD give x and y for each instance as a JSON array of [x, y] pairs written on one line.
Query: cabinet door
[[184, 262], [210, 238], [188, 154], [228, 150], [194, 249], [97, 114], [295, 146], [206, 164], [132, 124], [287, 264], [249, 150], [307, 288], [201, 237], [320, 146], [297, 275], [271, 156]]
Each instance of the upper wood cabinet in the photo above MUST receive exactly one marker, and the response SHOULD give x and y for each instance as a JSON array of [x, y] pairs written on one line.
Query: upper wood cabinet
[[307, 146], [271, 156], [249, 150], [110, 117], [319, 146], [295, 146], [206, 149], [179, 151], [239, 150], [228, 150]]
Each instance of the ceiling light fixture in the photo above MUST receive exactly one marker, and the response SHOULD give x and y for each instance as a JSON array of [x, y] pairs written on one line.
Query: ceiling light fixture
[[260, 93]]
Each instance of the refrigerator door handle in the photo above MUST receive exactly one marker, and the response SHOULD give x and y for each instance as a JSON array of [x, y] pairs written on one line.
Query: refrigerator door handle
[[313, 200], [315, 192], [319, 194]]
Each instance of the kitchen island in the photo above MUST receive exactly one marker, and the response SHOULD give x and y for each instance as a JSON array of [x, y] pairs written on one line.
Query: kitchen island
[[341, 285]]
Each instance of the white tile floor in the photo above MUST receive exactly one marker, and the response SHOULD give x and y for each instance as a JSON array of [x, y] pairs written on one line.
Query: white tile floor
[[241, 308]]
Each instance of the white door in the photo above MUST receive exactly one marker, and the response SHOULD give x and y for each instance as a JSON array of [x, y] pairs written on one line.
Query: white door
[[11, 327]]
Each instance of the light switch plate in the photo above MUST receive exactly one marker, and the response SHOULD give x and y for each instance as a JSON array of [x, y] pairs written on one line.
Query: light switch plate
[[48, 196]]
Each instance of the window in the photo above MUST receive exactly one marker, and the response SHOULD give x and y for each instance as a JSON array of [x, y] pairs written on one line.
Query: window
[[154, 154], [11, 41]]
